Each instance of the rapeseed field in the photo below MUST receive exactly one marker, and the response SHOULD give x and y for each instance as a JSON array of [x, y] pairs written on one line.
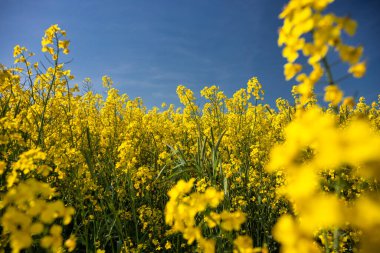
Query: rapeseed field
[[83, 172]]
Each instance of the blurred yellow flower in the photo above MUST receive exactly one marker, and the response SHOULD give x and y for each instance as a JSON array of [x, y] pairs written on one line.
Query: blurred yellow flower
[[333, 94], [358, 70]]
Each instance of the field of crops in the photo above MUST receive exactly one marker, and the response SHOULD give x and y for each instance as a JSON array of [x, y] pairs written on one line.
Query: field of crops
[[82, 172]]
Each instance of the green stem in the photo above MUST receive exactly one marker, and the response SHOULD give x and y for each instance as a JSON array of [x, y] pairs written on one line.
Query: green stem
[[328, 71], [327, 249], [336, 240]]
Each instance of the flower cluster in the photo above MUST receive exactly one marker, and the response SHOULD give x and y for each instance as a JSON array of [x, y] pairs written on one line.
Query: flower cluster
[[29, 211], [304, 20], [52, 38], [182, 209]]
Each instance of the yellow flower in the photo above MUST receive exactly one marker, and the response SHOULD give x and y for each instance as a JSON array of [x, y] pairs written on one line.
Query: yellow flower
[[213, 197], [36, 228], [168, 245], [254, 87], [358, 70], [243, 244], [291, 69], [366, 213], [321, 212], [191, 234], [67, 214], [17, 50], [2, 167], [321, 4], [348, 102], [63, 44], [232, 221], [350, 54], [285, 230], [207, 245], [181, 188], [349, 26], [303, 184], [19, 226], [54, 240], [213, 219], [333, 94], [70, 243], [290, 54]]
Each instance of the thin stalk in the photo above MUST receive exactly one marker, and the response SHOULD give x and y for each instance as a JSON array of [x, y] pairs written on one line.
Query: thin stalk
[[328, 71]]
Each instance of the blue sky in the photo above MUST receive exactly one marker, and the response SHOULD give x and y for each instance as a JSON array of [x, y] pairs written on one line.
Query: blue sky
[[149, 47]]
